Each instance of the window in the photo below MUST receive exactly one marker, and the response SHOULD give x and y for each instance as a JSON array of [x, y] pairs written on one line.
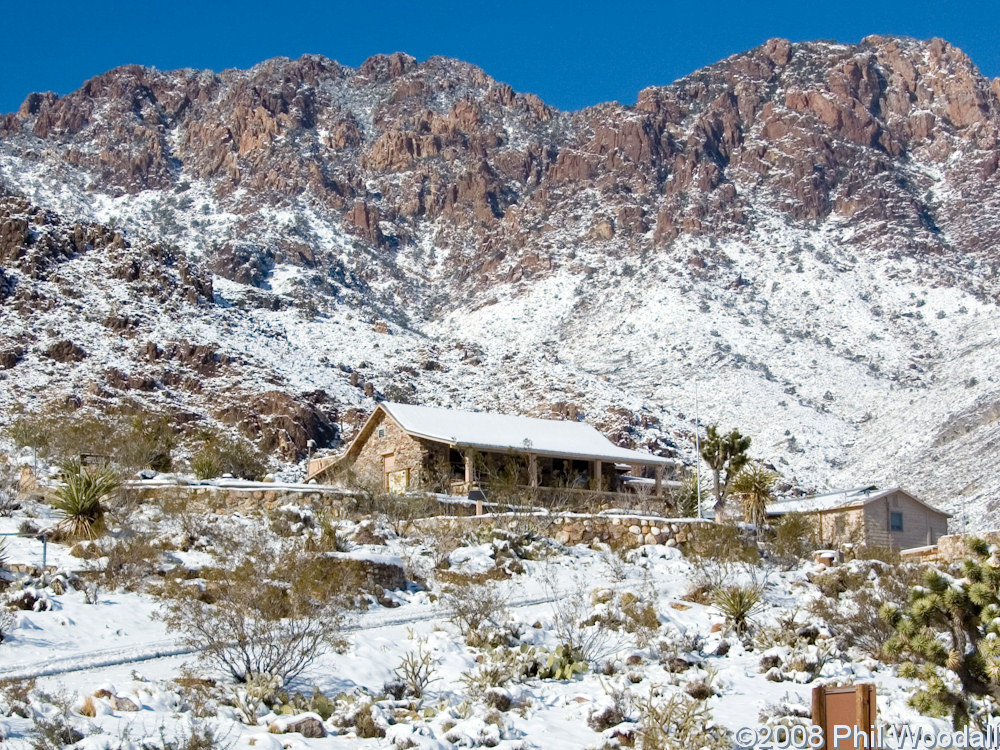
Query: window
[[895, 522], [381, 432]]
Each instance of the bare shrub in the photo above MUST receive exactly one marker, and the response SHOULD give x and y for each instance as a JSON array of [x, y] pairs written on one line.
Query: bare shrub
[[852, 600], [14, 697], [720, 542], [476, 607], [678, 722], [128, 562], [792, 538], [416, 671], [573, 622], [7, 620], [8, 489], [261, 620]]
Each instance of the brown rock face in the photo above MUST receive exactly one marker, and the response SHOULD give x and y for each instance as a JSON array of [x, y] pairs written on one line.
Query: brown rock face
[[440, 152], [65, 351], [283, 424]]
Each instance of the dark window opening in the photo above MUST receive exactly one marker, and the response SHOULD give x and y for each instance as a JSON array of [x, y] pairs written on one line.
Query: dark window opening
[[895, 522]]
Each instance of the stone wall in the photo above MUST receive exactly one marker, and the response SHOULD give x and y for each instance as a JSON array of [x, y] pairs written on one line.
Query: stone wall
[[224, 500], [573, 528], [951, 548]]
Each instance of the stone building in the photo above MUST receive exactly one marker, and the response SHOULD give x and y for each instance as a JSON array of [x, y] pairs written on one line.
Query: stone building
[[867, 515], [406, 447]]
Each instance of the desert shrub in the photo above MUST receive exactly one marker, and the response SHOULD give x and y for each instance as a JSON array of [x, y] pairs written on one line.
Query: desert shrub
[[317, 702], [132, 439], [33, 431], [856, 621], [264, 618], [8, 490], [791, 538], [7, 620], [145, 441], [618, 708], [626, 612], [80, 499], [878, 553], [363, 720], [843, 578], [53, 730], [475, 608], [15, 697], [720, 542], [573, 622], [739, 604], [226, 454], [416, 671], [678, 722], [128, 562]]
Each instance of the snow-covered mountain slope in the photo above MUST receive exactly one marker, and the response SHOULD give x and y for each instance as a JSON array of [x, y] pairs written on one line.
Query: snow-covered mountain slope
[[801, 238]]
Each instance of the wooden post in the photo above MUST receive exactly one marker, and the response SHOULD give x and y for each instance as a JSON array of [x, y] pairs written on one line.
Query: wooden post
[[468, 473], [819, 712], [597, 476], [532, 469], [658, 489]]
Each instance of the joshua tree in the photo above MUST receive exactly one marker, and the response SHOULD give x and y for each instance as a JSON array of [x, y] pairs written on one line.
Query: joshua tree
[[725, 455], [952, 625], [754, 487]]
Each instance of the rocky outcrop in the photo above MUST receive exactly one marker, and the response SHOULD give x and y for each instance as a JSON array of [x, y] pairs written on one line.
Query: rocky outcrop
[[806, 131]]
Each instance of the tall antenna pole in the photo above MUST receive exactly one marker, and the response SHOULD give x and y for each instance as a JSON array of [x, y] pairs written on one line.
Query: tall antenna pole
[[697, 447]]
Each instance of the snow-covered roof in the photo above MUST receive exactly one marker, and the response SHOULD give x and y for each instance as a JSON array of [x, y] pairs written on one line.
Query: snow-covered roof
[[856, 498], [508, 432]]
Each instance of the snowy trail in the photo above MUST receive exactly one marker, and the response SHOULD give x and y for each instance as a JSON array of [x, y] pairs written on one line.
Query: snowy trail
[[167, 648]]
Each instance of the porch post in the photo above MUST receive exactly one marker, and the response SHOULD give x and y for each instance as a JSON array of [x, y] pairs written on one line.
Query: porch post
[[597, 475], [658, 491], [468, 472], [532, 469]]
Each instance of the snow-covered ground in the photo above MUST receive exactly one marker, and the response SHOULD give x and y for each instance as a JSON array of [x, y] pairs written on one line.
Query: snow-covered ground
[[79, 642]]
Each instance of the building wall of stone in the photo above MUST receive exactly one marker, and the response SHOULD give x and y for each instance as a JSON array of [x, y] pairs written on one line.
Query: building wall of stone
[[402, 451]]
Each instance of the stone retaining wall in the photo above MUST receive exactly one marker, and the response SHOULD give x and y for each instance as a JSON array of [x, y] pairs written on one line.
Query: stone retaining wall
[[951, 548], [224, 500], [573, 528]]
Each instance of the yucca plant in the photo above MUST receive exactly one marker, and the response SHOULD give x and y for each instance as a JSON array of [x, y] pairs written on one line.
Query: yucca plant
[[754, 486], [739, 605], [79, 500]]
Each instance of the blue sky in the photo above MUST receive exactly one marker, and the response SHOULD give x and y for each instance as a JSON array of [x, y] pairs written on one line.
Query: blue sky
[[572, 54]]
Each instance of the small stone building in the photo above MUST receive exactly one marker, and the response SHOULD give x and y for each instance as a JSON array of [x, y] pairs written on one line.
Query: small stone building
[[406, 447], [867, 515]]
